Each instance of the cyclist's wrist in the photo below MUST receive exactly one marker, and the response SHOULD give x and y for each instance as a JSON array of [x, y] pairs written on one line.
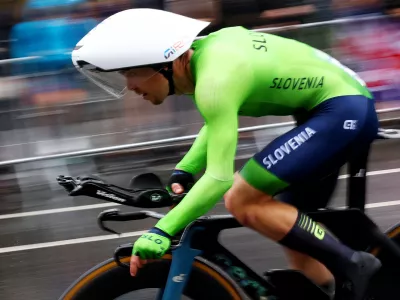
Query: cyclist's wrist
[[159, 232], [181, 171], [188, 168]]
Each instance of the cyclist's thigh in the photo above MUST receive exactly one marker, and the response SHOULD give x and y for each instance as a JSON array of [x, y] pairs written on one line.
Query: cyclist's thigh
[[310, 196], [314, 149]]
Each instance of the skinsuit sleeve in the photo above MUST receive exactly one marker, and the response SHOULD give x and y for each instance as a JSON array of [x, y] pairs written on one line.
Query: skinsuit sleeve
[[222, 84]]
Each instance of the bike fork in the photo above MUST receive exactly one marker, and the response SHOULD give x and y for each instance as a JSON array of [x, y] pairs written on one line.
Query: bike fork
[[181, 265]]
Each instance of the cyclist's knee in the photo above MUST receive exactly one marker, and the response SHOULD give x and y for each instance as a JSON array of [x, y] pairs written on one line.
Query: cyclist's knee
[[240, 210], [242, 201], [232, 202]]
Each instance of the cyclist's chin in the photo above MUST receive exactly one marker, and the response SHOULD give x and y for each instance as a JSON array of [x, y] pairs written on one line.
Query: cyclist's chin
[[156, 100]]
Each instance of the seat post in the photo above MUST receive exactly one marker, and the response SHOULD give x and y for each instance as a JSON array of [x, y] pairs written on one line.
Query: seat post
[[357, 181]]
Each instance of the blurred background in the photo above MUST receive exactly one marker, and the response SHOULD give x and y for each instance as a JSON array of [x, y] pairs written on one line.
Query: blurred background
[[47, 108], [53, 121]]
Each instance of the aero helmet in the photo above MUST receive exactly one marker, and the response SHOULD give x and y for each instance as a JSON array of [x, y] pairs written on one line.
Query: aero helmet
[[134, 38]]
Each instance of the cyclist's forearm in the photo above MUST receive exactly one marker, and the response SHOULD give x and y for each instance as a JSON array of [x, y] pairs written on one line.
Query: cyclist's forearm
[[201, 198], [195, 159]]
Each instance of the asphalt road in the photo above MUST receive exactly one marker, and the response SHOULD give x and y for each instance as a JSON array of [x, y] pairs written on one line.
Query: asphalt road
[[32, 269]]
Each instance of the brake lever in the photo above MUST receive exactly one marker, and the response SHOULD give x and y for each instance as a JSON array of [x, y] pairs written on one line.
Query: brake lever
[[122, 251], [115, 215], [107, 215]]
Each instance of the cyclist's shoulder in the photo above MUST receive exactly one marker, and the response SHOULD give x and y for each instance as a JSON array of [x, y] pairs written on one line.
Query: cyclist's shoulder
[[226, 40], [227, 33], [219, 53]]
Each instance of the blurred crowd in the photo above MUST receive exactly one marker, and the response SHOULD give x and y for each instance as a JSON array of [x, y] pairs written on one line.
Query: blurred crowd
[[46, 107]]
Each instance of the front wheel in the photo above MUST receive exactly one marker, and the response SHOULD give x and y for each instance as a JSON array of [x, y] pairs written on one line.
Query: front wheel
[[108, 281]]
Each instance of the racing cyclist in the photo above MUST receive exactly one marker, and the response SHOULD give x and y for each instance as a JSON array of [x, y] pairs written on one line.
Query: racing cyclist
[[236, 72]]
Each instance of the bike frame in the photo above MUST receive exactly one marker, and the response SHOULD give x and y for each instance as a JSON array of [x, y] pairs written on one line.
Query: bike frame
[[201, 239]]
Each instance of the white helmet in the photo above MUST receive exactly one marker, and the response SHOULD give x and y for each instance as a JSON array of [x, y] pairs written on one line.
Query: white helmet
[[133, 38]]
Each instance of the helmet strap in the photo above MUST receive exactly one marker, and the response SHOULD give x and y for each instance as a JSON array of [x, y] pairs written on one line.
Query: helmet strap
[[168, 73]]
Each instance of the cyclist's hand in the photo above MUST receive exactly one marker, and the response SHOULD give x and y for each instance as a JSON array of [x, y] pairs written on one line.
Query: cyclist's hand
[[177, 188], [180, 181], [136, 263], [151, 245]]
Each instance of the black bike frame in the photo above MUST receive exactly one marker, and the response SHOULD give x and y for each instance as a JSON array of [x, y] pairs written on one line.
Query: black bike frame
[[357, 181], [201, 239]]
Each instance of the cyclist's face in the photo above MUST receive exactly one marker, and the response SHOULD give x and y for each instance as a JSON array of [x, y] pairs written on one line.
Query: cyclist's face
[[148, 83]]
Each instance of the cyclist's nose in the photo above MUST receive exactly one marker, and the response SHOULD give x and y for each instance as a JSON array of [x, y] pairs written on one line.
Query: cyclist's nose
[[129, 86], [135, 89], [132, 87]]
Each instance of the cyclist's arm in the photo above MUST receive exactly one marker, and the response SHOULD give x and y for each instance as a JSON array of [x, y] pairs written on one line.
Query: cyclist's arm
[[196, 158], [218, 98]]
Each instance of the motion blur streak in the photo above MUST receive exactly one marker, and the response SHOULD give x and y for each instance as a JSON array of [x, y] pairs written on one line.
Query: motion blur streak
[[47, 108]]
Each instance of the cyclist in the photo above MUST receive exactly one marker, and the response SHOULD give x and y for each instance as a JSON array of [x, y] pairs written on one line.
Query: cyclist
[[236, 72]]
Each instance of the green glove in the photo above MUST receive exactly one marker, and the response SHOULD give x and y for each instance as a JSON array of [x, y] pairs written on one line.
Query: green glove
[[151, 245]]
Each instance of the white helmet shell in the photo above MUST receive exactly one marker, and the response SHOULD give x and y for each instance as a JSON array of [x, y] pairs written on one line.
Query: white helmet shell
[[137, 37]]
